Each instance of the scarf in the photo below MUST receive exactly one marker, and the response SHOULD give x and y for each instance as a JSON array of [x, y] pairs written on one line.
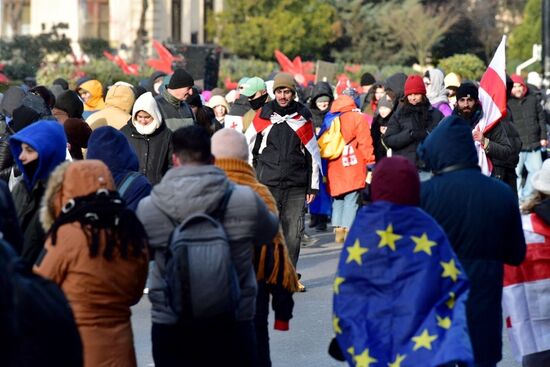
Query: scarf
[[283, 272]]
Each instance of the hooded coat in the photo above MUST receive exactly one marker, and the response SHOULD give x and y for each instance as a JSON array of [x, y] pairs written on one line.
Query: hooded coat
[[198, 189], [483, 223], [112, 148], [437, 93], [118, 105], [528, 115], [48, 139], [356, 132], [100, 291], [320, 89], [95, 102], [154, 151]]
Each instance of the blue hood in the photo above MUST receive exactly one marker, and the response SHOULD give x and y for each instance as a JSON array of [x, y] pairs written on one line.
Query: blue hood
[[111, 146], [48, 139], [450, 143]]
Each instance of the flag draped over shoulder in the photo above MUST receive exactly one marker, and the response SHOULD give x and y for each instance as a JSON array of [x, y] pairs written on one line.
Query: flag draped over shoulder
[[400, 292], [525, 298], [492, 96]]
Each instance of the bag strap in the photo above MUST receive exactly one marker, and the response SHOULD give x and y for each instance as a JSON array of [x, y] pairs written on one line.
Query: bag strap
[[126, 182]]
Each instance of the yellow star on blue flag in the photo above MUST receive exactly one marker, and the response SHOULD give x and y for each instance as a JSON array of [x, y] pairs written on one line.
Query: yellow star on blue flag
[[387, 237]]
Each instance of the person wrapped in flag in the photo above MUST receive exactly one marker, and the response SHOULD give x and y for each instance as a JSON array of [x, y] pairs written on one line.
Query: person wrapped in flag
[[525, 300], [286, 157], [400, 291]]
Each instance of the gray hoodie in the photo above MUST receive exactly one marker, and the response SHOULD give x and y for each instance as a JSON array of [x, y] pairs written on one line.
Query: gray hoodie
[[190, 189]]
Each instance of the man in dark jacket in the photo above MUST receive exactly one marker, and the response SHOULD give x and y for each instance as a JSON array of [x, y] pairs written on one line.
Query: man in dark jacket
[[530, 123], [500, 143], [481, 218], [286, 158], [175, 111], [111, 146]]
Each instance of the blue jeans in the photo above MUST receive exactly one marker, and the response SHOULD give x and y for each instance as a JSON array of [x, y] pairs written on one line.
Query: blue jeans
[[532, 161], [344, 208]]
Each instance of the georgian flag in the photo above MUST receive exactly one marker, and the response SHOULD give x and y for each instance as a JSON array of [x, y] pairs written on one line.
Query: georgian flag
[[233, 122], [303, 129], [526, 293], [492, 96]]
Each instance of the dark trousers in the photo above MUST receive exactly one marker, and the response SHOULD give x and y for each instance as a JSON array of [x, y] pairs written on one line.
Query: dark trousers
[[291, 203], [205, 344], [262, 325]]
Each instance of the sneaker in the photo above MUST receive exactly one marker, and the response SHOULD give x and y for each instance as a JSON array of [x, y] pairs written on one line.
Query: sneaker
[[145, 290], [301, 287], [321, 227]]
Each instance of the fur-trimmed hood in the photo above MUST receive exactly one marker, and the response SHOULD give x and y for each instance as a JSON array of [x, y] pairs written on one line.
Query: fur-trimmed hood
[[71, 180]]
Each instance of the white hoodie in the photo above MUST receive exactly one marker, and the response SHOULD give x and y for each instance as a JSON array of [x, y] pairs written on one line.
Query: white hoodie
[[146, 102]]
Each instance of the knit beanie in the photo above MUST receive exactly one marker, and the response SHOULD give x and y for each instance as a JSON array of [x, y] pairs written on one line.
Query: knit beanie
[[414, 85], [62, 83], [367, 79], [467, 90], [180, 79], [46, 95], [385, 102], [23, 116], [70, 102], [78, 133], [284, 80], [396, 180]]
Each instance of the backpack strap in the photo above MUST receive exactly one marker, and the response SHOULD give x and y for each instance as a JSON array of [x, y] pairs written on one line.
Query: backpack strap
[[219, 213], [126, 182]]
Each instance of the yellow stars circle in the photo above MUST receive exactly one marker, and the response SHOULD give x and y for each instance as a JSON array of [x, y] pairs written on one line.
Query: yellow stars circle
[[388, 238], [398, 360], [443, 322], [423, 243], [364, 359], [450, 270], [355, 252], [423, 340], [335, 325], [337, 282]]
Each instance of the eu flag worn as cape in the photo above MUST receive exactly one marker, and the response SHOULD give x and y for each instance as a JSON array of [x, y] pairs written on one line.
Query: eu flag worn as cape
[[400, 292]]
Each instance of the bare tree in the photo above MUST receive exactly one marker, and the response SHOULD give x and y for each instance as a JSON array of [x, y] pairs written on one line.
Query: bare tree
[[418, 28], [14, 14], [141, 37]]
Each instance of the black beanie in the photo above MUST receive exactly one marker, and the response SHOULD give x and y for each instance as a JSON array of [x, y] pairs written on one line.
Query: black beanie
[[180, 79], [465, 90], [62, 83], [23, 116], [71, 103], [46, 95], [367, 79]]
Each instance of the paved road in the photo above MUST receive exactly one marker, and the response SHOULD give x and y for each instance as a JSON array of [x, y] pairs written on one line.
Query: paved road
[[305, 344]]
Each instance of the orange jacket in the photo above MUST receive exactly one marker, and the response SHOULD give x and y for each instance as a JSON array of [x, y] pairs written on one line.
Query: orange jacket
[[349, 172]]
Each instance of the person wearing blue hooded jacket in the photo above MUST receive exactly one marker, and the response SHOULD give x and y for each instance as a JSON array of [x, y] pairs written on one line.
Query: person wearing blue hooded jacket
[[37, 150], [111, 146], [481, 217]]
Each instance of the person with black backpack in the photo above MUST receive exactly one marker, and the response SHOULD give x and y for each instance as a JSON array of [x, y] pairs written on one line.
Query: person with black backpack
[[202, 230]]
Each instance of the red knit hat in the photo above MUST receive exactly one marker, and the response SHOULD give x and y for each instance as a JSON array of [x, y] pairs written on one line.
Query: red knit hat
[[414, 85]]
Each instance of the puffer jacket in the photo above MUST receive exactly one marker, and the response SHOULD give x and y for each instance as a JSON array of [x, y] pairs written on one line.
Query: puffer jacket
[[529, 119], [199, 189], [118, 105], [406, 129]]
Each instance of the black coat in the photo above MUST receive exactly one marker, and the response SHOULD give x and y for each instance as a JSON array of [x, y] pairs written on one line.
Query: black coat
[[408, 127], [380, 150], [9, 226], [27, 205], [320, 89], [154, 151], [529, 120], [6, 159], [481, 218]]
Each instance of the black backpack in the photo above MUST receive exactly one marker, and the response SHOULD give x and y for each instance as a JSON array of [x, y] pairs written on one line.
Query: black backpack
[[39, 328], [202, 282]]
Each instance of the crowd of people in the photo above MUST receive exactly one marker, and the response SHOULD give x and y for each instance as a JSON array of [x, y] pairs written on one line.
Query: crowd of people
[[98, 187]]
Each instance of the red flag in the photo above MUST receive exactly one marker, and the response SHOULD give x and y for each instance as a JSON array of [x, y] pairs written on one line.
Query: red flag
[[492, 96]]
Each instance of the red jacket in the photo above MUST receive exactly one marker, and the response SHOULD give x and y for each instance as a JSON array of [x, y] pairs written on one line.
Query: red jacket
[[349, 172]]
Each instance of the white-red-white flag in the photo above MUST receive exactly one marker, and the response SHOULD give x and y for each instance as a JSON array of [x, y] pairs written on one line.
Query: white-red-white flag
[[492, 96], [526, 293]]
